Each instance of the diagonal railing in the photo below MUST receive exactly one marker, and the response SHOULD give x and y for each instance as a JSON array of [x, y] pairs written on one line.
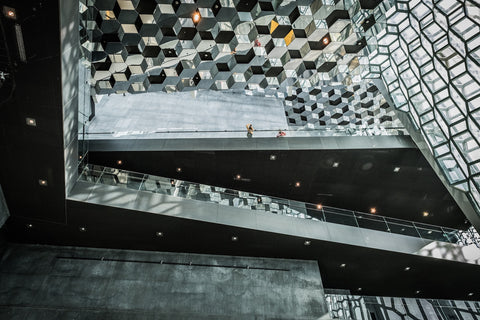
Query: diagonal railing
[[275, 205]]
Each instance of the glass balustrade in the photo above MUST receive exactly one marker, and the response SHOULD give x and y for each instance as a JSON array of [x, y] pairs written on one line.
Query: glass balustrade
[[290, 132], [251, 201]]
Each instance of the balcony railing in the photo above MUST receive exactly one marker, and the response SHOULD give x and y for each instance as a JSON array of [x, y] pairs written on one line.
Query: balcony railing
[[172, 133], [342, 305], [251, 201]]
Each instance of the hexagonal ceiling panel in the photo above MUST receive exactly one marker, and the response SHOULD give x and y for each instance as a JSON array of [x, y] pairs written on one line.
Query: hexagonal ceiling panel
[[311, 54]]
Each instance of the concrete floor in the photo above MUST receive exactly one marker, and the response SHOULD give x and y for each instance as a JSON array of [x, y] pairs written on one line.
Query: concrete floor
[[185, 111]]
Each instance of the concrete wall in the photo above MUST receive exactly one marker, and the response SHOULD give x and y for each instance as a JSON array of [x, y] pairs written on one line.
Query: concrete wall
[[70, 55], [44, 282]]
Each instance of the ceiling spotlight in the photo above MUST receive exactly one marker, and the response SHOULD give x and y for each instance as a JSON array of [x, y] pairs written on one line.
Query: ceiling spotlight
[[159, 234], [80, 157], [273, 157], [406, 268], [396, 169], [335, 164], [326, 40], [196, 17], [470, 294], [373, 210], [425, 213], [238, 177], [29, 226], [179, 169], [307, 242], [43, 182], [234, 238], [9, 12], [359, 289], [82, 229], [297, 184], [319, 206], [31, 122], [119, 162], [429, 232], [417, 292], [343, 265]]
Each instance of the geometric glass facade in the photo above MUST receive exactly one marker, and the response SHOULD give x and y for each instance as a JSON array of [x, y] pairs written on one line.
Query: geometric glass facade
[[428, 56]]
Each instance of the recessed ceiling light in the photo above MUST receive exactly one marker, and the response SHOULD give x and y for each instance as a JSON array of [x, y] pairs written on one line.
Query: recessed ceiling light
[[9, 12], [359, 289], [343, 265], [417, 292], [80, 157], [319, 206], [470, 294], [307, 242], [234, 238], [325, 40], [419, 168], [31, 122], [82, 229], [196, 17], [43, 182], [335, 164], [396, 169], [238, 177], [159, 234], [373, 210], [403, 229], [297, 184], [406, 268], [273, 157], [425, 213], [429, 232], [119, 162], [29, 225], [179, 169]]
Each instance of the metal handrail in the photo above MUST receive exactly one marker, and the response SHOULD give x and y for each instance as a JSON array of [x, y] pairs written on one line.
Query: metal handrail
[[272, 204], [290, 131]]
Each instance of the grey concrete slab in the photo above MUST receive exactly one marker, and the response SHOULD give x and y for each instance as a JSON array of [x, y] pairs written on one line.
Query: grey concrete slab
[[127, 288], [301, 141], [264, 221]]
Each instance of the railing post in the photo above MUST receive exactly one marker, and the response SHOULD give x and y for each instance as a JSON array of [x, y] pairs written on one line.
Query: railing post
[[418, 232], [355, 218], [101, 175]]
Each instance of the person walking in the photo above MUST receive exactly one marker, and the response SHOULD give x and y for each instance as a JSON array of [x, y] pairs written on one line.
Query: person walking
[[250, 130]]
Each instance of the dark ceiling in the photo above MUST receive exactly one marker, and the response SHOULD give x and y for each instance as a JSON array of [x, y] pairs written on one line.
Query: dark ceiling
[[363, 178], [377, 272]]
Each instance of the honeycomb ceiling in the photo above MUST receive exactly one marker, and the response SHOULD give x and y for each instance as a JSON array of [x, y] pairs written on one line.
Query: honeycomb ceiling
[[313, 55]]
